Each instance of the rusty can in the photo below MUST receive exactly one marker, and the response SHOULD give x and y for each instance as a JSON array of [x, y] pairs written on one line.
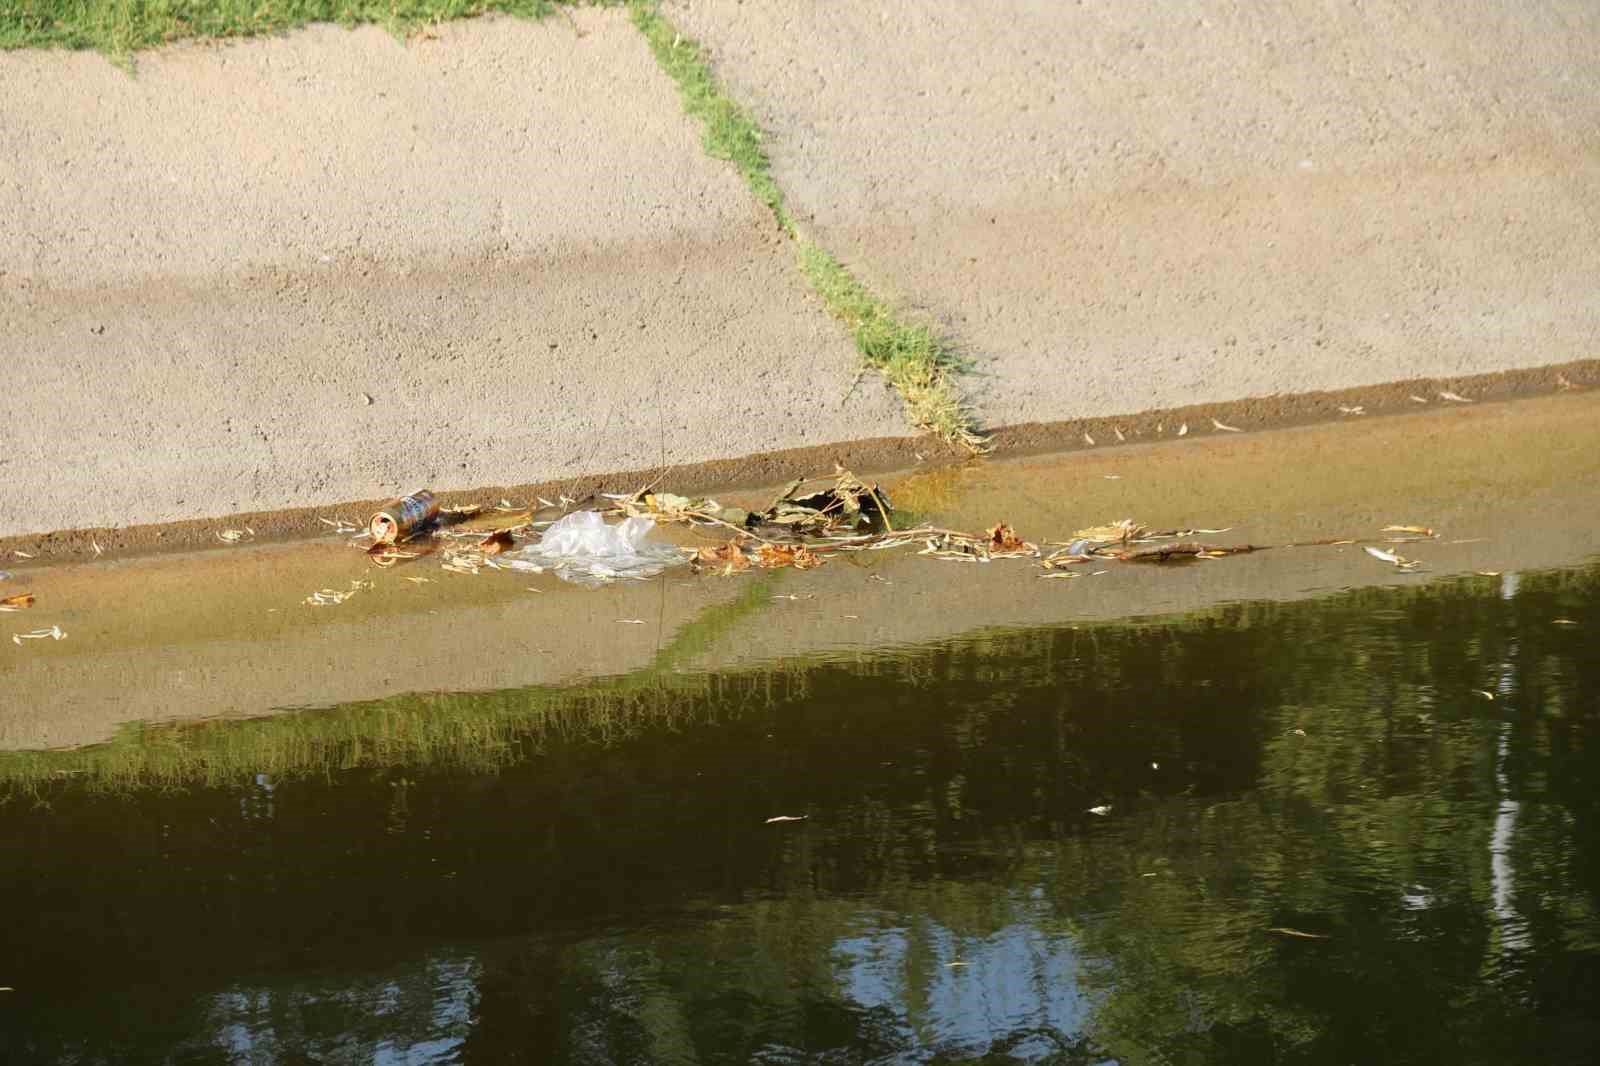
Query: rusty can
[[404, 517]]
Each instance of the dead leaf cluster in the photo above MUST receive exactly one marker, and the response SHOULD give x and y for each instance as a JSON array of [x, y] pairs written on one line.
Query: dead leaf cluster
[[847, 505], [735, 556]]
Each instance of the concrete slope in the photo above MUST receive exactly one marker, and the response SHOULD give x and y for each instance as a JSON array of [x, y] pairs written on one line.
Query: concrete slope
[[1123, 206], [334, 265]]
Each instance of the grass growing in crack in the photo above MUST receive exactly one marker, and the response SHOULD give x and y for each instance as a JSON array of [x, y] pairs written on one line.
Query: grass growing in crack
[[120, 27], [910, 355], [730, 133]]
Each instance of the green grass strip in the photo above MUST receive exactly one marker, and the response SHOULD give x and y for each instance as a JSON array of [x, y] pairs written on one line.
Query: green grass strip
[[121, 27], [912, 356], [730, 133]]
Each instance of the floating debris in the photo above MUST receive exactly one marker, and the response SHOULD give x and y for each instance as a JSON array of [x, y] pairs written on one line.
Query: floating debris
[[1003, 540], [583, 548], [998, 542], [387, 555], [1358, 409], [53, 633], [848, 504], [1102, 810], [1400, 561], [495, 543], [231, 536], [1417, 399], [726, 558], [334, 597], [775, 819], [1183, 430], [1485, 693], [20, 602], [1421, 531], [1186, 550], [1088, 440], [1120, 532], [1283, 930], [1226, 428], [1453, 397], [403, 518], [470, 563], [775, 556]]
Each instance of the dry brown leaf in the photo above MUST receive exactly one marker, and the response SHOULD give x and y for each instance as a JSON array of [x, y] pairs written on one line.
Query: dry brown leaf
[[773, 556], [729, 556], [1127, 529], [496, 542], [1002, 538], [17, 602]]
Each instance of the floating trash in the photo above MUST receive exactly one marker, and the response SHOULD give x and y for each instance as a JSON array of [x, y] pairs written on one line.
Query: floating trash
[[403, 518], [584, 549], [53, 633]]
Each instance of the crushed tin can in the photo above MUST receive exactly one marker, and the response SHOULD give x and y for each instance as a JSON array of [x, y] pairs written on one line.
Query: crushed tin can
[[403, 518]]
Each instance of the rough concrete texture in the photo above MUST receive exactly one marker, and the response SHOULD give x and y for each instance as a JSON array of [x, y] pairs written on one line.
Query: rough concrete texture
[[505, 234], [1116, 206]]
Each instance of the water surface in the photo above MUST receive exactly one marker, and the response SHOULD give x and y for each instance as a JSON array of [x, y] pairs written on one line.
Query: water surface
[[1359, 828]]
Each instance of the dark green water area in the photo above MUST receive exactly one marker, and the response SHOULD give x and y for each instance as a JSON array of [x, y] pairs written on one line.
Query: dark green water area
[[1358, 829]]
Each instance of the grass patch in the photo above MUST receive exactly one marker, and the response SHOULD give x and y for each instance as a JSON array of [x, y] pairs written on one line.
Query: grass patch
[[120, 27], [730, 133], [912, 356], [909, 354]]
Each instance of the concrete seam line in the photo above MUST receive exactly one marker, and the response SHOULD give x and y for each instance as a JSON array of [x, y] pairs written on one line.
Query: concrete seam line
[[911, 356]]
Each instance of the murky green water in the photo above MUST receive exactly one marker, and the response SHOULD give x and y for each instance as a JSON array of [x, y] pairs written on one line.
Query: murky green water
[[591, 877]]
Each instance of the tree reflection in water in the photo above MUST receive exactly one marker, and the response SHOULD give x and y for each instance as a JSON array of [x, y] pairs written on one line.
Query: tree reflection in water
[[1332, 768]]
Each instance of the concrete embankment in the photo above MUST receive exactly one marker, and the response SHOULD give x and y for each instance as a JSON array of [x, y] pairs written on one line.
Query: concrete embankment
[[307, 270]]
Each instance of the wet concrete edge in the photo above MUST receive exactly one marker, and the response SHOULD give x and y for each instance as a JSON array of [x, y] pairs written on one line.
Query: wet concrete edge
[[866, 456]]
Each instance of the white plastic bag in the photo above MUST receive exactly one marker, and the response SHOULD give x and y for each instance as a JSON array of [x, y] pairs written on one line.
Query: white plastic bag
[[581, 547]]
